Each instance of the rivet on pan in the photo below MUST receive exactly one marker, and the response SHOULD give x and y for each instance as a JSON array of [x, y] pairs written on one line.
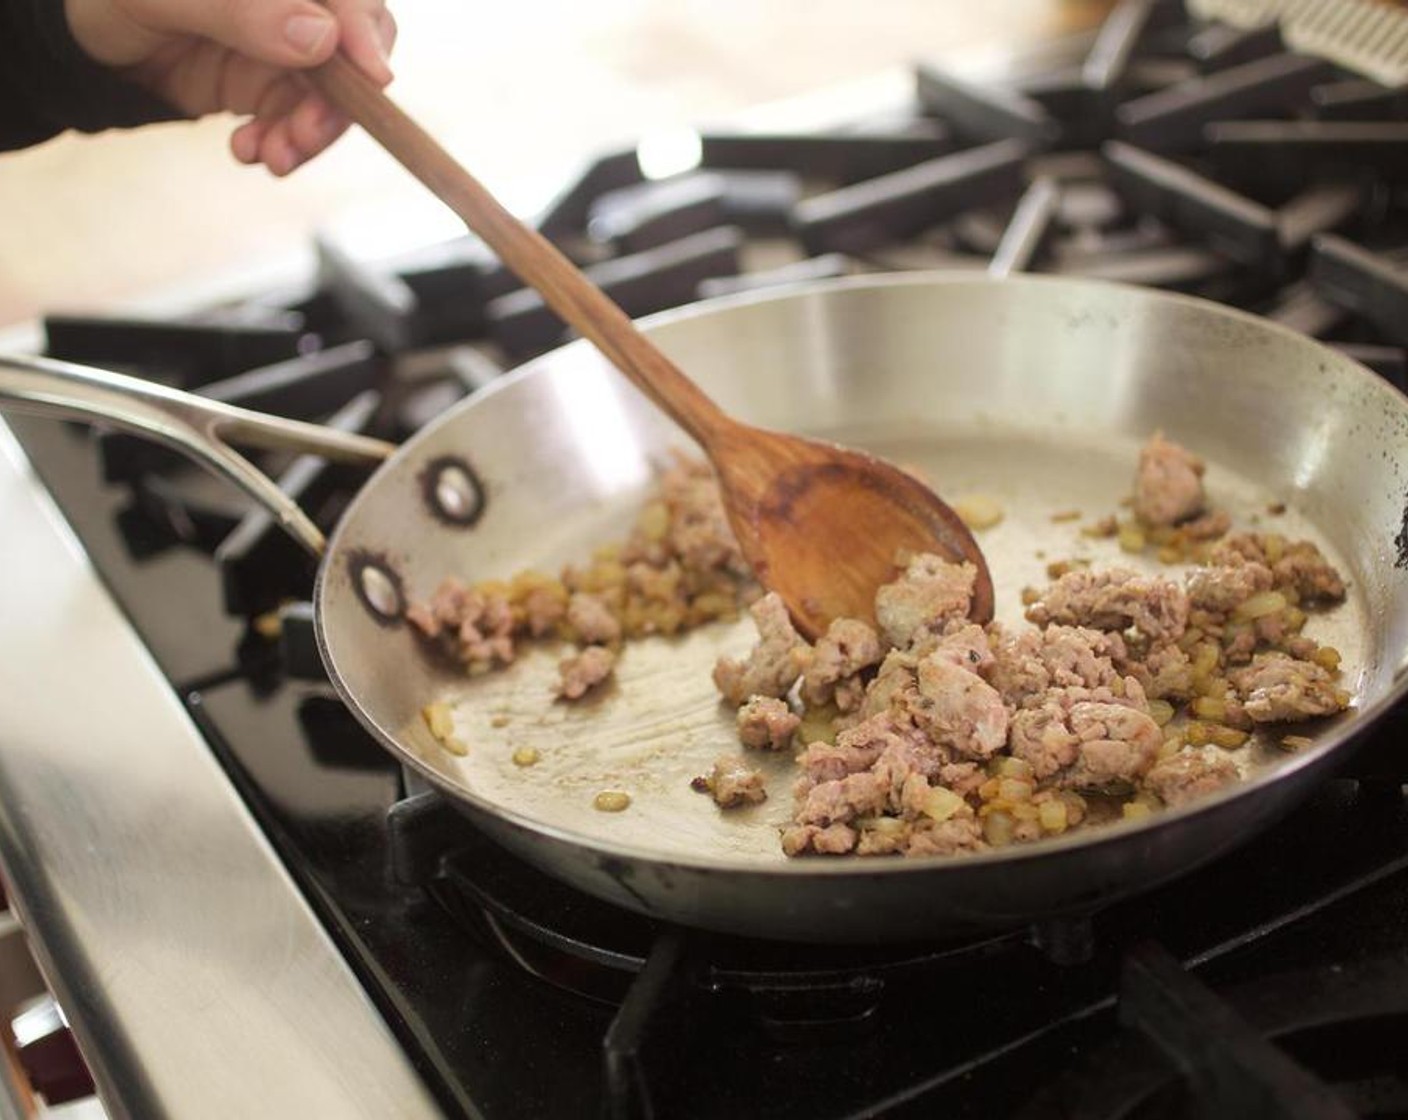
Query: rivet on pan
[[380, 591], [378, 587], [453, 491]]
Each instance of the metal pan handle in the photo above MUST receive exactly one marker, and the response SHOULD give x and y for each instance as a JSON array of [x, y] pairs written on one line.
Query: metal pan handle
[[199, 428]]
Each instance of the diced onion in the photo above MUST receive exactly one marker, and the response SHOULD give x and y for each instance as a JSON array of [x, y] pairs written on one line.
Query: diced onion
[[978, 511], [1205, 659], [997, 829], [1025, 811], [440, 719], [1210, 707], [654, 521], [1006, 766], [941, 803], [1131, 538], [1328, 658], [1260, 605], [1014, 789], [1052, 815], [1228, 738]]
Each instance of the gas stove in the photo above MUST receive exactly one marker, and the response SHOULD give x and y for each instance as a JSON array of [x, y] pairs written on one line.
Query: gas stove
[[238, 896]]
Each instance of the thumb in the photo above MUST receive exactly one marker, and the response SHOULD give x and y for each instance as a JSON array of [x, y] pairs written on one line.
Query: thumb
[[293, 33]]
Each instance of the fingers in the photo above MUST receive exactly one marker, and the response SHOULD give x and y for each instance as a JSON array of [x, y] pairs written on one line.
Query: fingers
[[283, 33], [285, 137], [290, 123], [368, 32], [245, 140], [310, 128]]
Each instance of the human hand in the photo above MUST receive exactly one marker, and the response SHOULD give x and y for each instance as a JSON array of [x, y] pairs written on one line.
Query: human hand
[[243, 57]]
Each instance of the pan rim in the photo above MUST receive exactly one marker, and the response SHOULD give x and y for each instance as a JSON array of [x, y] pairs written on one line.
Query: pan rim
[[1340, 737]]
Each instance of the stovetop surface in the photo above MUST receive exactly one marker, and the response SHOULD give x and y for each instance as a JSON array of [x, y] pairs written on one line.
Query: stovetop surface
[[518, 997]]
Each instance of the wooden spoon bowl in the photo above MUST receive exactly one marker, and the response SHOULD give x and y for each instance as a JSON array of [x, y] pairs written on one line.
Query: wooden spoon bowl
[[823, 526]]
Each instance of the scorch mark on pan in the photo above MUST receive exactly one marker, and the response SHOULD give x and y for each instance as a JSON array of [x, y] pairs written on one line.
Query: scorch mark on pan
[[1401, 541]]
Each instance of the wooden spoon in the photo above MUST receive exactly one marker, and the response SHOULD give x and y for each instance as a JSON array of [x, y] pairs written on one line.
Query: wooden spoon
[[821, 525]]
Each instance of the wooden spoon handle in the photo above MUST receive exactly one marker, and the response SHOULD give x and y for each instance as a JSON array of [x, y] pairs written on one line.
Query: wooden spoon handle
[[536, 261]]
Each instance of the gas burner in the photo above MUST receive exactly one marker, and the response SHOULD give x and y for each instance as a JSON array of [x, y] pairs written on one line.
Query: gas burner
[[722, 999], [563, 936], [557, 932], [1324, 1043]]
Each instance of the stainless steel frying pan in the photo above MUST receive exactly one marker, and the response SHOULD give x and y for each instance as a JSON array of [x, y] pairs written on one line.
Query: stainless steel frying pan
[[1035, 392]]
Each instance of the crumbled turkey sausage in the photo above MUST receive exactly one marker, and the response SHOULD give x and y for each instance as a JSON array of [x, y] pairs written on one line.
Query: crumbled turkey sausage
[[1298, 564], [863, 744], [474, 627], [1084, 738], [733, 783], [964, 643], [1192, 773], [1026, 665], [699, 530], [960, 833], [592, 619], [1168, 487], [1208, 526], [773, 665], [896, 675], [584, 671], [1314, 578], [958, 709], [929, 593], [1114, 599], [848, 647], [766, 723], [1275, 687], [543, 610], [845, 799], [1219, 590], [1164, 673], [836, 839]]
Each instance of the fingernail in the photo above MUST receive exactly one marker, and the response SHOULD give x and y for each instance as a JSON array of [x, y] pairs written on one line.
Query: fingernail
[[306, 33]]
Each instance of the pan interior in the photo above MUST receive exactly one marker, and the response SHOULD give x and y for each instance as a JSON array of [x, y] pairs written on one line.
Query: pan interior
[[1035, 395], [661, 722]]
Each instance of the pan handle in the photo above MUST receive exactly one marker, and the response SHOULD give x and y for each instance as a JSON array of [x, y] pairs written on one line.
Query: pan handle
[[195, 426]]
